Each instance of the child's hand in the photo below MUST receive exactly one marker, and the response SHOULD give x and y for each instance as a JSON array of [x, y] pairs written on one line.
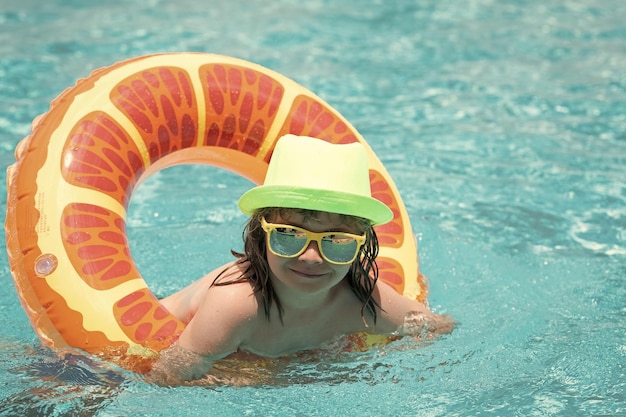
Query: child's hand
[[177, 365], [424, 324], [442, 324]]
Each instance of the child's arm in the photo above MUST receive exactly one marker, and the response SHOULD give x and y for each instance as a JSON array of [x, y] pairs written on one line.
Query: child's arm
[[405, 316], [219, 326]]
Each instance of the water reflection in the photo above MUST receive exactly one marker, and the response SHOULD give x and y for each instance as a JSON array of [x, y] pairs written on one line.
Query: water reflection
[[61, 383]]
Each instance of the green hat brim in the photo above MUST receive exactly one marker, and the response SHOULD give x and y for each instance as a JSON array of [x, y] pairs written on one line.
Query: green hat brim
[[315, 199]]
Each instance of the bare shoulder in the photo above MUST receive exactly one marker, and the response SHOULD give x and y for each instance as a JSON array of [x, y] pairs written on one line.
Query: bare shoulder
[[236, 299], [223, 294], [225, 315], [185, 303]]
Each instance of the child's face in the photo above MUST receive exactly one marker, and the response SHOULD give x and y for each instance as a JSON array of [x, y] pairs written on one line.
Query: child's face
[[309, 272]]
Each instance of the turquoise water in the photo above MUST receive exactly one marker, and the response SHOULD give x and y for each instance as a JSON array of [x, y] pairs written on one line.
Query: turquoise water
[[503, 124]]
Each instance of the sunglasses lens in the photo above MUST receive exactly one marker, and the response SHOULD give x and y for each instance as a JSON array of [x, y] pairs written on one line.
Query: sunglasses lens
[[287, 242], [340, 249]]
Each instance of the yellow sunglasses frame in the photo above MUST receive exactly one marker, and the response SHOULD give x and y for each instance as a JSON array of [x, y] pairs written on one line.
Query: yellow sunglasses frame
[[311, 236]]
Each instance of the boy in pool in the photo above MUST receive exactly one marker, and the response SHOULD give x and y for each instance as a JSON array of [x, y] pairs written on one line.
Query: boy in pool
[[308, 273]]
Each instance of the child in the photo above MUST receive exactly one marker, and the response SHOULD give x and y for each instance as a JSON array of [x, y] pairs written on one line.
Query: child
[[308, 273]]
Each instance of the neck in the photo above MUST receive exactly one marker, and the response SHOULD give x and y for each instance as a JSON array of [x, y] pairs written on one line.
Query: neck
[[294, 300]]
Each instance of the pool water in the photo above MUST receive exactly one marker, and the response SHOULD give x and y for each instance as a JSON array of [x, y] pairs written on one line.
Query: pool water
[[503, 124]]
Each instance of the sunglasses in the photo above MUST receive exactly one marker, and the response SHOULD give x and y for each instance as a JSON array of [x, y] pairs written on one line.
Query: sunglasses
[[290, 241]]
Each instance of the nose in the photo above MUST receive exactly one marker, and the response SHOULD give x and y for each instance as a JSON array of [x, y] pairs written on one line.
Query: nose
[[311, 254]]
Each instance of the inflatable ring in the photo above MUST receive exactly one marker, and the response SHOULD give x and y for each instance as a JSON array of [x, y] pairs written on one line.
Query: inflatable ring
[[74, 175]]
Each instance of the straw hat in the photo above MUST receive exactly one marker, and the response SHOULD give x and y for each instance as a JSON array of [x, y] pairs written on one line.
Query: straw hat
[[310, 173]]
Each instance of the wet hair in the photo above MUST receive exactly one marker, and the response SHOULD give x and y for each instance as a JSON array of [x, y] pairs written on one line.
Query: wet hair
[[361, 277]]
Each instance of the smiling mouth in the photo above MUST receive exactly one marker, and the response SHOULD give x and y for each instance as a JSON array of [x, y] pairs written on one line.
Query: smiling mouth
[[310, 275]]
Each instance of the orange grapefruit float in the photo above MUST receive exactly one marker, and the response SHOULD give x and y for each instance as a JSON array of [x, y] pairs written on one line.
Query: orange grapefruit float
[[74, 176]]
